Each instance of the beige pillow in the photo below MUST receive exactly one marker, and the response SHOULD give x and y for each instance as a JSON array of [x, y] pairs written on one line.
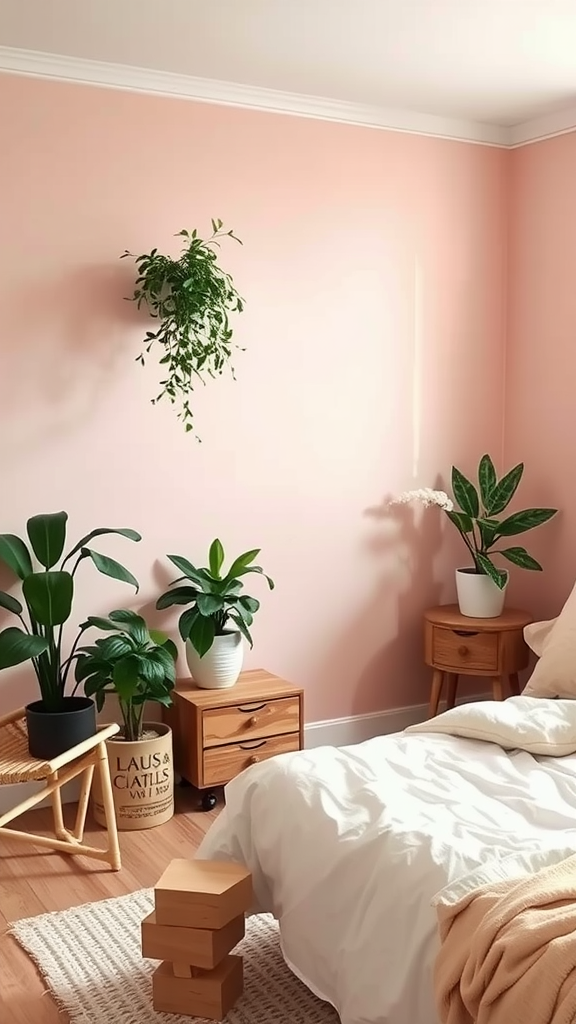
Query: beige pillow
[[555, 641]]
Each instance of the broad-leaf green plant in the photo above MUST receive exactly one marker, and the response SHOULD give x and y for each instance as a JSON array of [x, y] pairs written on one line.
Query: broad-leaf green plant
[[479, 522], [134, 662], [47, 597], [192, 297], [215, 596]]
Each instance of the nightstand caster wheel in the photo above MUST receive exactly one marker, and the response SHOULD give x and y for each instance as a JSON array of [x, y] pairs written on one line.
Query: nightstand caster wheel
[[209, 801]]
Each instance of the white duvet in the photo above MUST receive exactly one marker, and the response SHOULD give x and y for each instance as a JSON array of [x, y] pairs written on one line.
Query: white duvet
[[348, 846]]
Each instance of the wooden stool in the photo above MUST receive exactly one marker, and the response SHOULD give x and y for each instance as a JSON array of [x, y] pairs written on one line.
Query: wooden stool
[[198, 918], [456, 645], [16, 765]]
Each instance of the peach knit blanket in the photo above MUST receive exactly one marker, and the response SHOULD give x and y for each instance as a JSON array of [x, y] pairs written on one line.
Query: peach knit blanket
[[508, 951]]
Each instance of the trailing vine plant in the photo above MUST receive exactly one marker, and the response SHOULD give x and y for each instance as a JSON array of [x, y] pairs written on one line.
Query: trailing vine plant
[[192, 297]]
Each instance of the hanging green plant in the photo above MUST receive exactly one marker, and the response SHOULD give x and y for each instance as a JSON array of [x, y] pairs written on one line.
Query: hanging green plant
[[192, 297]]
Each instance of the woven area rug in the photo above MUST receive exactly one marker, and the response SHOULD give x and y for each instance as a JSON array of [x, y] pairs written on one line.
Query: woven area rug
[[90, 959]]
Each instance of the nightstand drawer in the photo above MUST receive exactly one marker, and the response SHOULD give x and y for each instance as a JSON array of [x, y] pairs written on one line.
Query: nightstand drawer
[[250, 721], [220, 764], [463, 649]]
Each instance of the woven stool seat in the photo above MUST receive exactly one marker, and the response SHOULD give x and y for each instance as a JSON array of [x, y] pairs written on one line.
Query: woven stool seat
[[17, 765]]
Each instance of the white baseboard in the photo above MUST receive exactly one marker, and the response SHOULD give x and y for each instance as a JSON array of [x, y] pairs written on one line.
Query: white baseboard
[[342, 732], [336, 732]]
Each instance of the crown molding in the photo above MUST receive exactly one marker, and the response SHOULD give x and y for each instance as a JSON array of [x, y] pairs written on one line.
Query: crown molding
[[205, 90], [540, 128], [38, 64]]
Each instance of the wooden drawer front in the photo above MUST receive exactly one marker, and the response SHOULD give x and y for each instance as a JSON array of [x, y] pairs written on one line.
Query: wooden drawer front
[[222, 763], [465, 650], [250, 721]]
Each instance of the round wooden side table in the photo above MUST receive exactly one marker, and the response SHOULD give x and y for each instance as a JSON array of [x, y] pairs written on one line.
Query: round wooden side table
[[456, 645]]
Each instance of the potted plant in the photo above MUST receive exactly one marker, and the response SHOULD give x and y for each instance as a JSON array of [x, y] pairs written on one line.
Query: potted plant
[[219, 617], [57, 721], [192, 297], [481, 586], [138, 665]]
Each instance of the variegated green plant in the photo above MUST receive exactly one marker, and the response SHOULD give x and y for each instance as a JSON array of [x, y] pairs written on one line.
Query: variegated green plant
[[479, 521]]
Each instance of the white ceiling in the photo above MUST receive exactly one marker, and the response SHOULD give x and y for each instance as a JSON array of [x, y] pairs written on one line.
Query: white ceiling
[[500, 62]]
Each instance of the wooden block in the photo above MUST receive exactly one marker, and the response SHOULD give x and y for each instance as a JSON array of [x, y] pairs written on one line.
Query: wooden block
[[211, 994], [202, 893], [199, 947]]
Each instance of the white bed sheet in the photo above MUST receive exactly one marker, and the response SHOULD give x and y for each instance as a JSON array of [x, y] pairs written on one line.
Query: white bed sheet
[[348, 846]]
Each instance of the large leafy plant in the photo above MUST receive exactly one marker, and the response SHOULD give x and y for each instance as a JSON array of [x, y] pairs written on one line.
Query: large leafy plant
[[480, 526], [48, 595], [192, 297], [215, 596], [136, 663]]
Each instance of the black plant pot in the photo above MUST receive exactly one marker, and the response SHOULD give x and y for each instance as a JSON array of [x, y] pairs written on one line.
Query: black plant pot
[[52, 732]]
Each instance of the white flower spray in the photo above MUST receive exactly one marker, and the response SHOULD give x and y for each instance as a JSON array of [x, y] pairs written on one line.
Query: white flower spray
[[426, 496]]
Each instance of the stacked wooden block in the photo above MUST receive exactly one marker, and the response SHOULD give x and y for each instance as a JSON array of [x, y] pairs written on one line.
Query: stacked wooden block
[[198, 918]]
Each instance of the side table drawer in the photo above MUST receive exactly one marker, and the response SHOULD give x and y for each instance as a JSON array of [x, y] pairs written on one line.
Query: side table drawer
[[220, 764], [463, 650], [250, 721]]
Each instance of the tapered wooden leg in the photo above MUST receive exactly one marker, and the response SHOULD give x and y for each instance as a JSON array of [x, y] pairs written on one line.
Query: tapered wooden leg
[[497, 688], [108, 804], [452, 687], [514, 684], [83, 799], [59, 830], [435, 692]]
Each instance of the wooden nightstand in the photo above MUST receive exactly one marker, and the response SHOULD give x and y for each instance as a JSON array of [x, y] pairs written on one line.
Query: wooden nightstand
[[455, 645], [219, 733]]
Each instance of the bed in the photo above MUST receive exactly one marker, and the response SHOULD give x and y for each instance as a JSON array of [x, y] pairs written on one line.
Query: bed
[[349, 846]]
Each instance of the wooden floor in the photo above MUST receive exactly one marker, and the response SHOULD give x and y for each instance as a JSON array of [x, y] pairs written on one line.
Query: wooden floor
[[33, 882]]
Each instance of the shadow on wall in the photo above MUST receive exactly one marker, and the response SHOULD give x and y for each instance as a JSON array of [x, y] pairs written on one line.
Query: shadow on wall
[[406, 543], [62, 342]]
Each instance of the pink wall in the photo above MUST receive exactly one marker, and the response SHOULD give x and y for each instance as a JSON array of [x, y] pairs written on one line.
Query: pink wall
[[540, 408], [374, 271]]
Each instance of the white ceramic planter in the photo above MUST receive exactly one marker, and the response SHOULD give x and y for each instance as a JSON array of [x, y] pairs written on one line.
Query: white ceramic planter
[[142, 774], [221, 665], [478, 595]]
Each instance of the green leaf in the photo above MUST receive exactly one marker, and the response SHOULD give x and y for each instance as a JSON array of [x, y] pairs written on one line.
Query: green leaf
[[216, 558], [527, 519], [170, 646], [499, 576], [209, 603], [202, 634], [465, 493], [190, 571], [186, 621], [113, 647], [101, 623], [519, 556], [461, 520], [49, 596], [110, 567], [132, 623], [487, 479], [15, 554], [47, 535], [11, 604], [249, 603], [242, 627], [126, 676], [258, 569], [129, 534], [158, 637], [17, 646], [241, 562], [179, 595], [504, 491]]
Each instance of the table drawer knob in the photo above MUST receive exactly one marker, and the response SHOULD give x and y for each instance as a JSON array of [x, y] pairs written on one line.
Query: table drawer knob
[[254, 759], [463, 650], [253, 721]]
